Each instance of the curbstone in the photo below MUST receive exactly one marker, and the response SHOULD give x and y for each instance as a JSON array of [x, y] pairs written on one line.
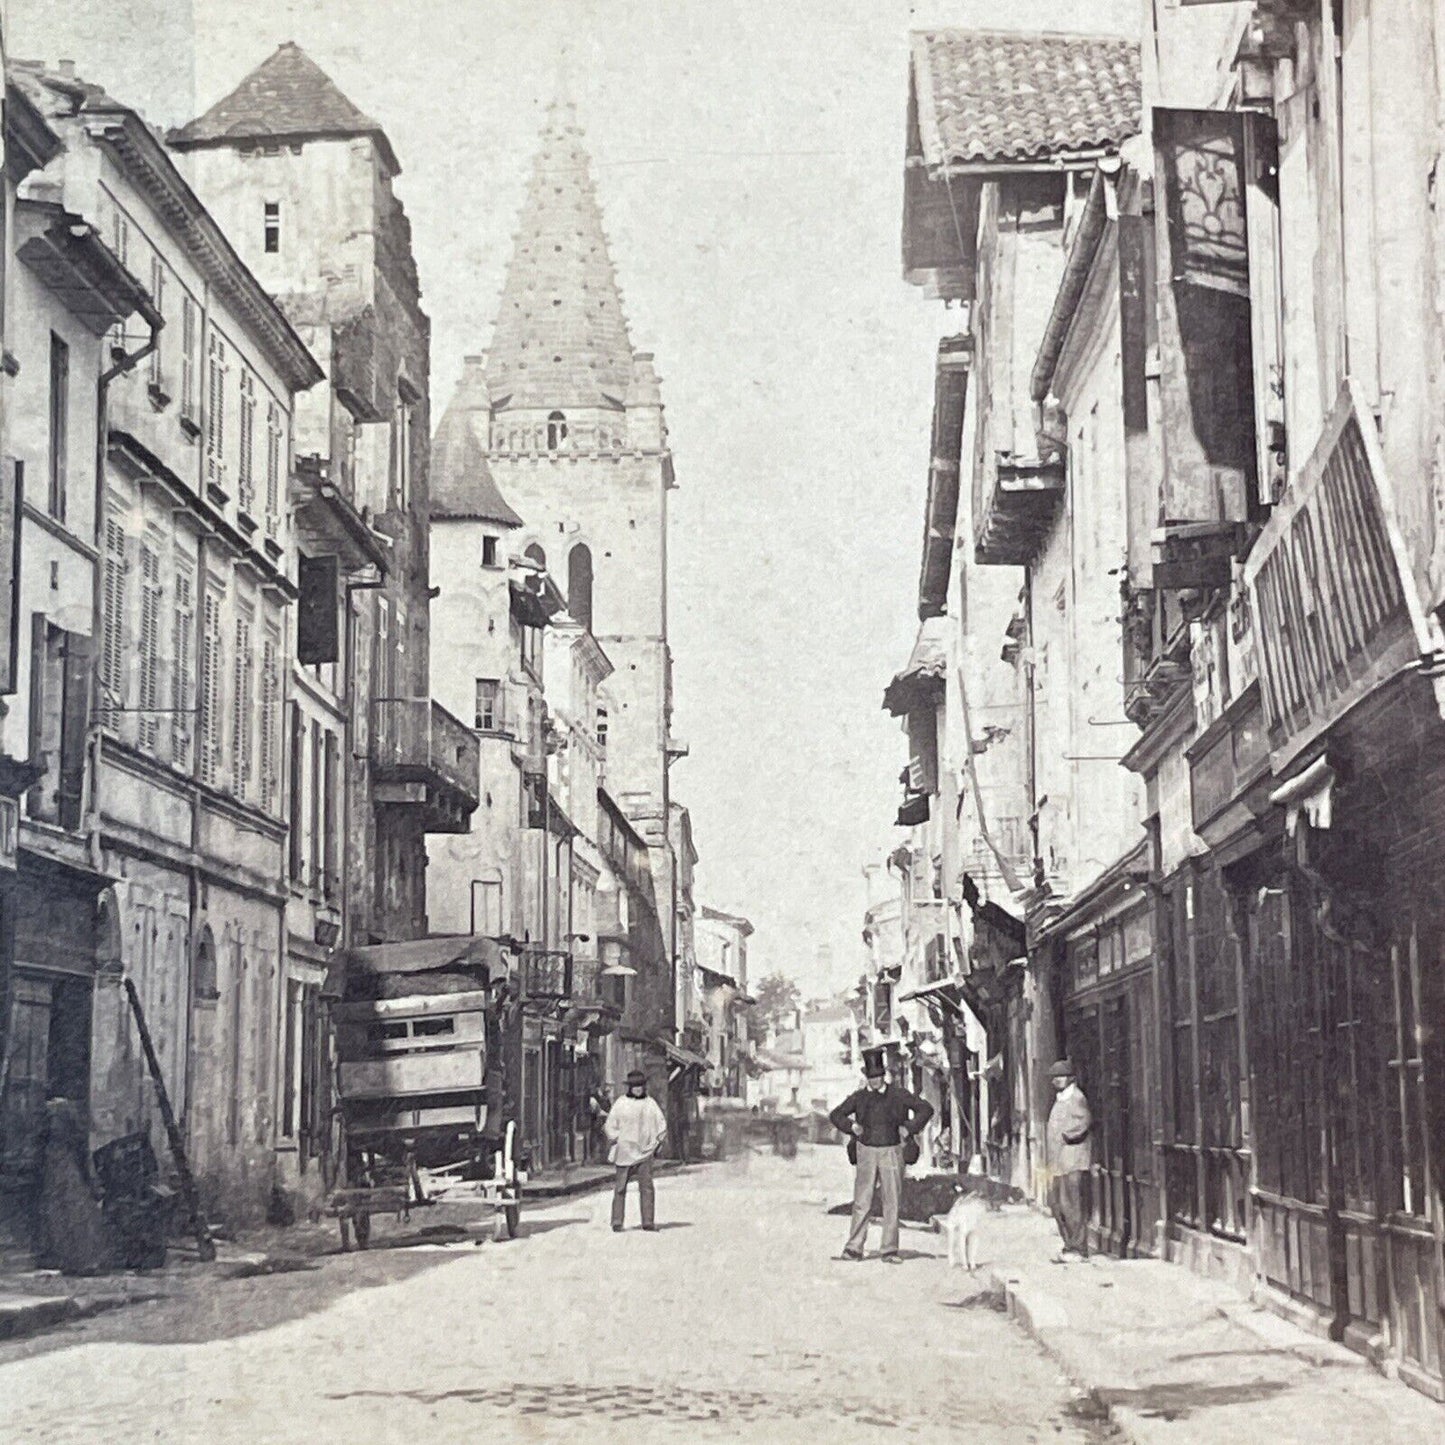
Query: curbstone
[[33, 1314]]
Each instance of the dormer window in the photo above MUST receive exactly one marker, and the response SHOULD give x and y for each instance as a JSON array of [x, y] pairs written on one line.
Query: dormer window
[[272, 233], [556, 430]]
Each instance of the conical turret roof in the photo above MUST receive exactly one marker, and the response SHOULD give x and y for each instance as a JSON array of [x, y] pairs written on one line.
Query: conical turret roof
[[561, 338], [462, 484]]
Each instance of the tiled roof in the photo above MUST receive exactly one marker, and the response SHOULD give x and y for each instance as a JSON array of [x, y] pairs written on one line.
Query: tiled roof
[[991, 97], [287, 96], [561, 337], [462, 484]]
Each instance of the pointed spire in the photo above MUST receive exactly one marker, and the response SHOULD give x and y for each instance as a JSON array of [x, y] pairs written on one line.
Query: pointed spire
[[462, 484], [561, 338]]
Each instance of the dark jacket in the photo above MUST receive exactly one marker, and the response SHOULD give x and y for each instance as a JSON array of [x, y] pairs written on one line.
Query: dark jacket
[[881, 1115]]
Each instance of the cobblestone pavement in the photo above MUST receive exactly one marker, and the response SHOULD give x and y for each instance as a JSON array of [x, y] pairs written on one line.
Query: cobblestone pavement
[[732, 1322]]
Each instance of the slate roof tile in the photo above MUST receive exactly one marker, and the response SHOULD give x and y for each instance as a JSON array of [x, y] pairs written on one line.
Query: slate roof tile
[[287, 95]]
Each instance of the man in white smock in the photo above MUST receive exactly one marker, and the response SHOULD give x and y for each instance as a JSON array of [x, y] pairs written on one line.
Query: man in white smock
[[636, 1128]]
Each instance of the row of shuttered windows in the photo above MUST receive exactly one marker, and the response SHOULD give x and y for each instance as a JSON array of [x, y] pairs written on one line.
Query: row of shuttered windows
[[154, 669]]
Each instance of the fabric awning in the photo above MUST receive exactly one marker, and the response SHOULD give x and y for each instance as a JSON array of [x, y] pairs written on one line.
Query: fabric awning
[[943, 989], [689, 1060], [921, 682]]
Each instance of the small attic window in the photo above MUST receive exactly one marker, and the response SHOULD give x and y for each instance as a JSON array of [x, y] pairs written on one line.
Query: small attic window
[[556, 428], [489, 552]]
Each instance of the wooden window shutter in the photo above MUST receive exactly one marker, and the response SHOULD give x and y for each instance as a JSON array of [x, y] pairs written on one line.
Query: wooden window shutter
[[245, 477], [270, 695], [273, 466], [149, 701], [296, 781], [113, 624], [183, 705], [74, 726], [318, 784], [211, 717], [188, 359], [333, 798], [39, 658], [318, 614], [243, 705]]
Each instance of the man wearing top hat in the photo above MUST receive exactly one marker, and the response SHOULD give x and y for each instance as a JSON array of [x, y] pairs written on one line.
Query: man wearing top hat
[[1071, 1156], [878, 1116], [636, 1128]]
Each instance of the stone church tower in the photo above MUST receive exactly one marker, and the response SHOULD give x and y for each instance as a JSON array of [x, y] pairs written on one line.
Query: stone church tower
[[577, 443]]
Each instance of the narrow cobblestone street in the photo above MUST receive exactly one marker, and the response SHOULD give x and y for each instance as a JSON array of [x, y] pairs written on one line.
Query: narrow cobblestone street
[[732, 1322]]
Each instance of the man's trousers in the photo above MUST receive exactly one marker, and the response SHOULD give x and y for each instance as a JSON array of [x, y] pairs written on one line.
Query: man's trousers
[[885, 1165], [642, 1172], [1070, 1203]]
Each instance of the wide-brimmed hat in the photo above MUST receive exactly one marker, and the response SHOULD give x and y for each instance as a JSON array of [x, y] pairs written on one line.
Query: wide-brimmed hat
[[636, 1077], [1061, 1069]]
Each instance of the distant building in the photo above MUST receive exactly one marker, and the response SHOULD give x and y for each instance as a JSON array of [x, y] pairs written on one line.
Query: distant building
[[577, 442], [302, 180], [722, 959]]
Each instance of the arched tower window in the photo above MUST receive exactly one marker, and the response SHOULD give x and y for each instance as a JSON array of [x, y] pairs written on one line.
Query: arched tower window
[[579, 584], [534, 553], [556, 430]]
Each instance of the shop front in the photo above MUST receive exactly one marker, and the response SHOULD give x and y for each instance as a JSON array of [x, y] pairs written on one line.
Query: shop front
[[1105, 952], [1341, 925]]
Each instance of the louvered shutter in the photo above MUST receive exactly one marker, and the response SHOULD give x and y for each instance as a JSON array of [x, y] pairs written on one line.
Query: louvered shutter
[[150, 659], [243, 708], [183, 705], [273, 467], [113, 624], [270, 689], [210, 739], [245, 479]]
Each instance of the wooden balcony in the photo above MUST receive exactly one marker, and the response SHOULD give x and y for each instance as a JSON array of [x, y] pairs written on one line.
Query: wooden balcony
[[1016, 511], [422, 757]]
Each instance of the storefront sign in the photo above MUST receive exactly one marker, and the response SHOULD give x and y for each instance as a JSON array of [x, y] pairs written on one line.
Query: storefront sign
[[1334, 604]]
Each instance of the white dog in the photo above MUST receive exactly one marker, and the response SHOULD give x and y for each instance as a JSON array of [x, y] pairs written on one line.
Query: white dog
[[961, 1225]]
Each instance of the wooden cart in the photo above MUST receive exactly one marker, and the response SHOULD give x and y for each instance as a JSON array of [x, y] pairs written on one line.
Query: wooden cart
[[418, 1086]]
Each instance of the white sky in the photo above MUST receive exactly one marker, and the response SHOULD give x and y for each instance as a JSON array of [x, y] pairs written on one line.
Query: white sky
[[748, 156]]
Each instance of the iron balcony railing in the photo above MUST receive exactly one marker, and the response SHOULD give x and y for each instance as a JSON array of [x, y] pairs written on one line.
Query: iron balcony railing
[[546, 973]]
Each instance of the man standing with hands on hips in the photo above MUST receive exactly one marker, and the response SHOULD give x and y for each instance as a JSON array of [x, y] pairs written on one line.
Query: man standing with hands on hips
[[636, 1128], [878, 1117]]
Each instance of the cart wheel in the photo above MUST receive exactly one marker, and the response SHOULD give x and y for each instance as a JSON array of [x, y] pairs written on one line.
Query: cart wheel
[[363, 1230]]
